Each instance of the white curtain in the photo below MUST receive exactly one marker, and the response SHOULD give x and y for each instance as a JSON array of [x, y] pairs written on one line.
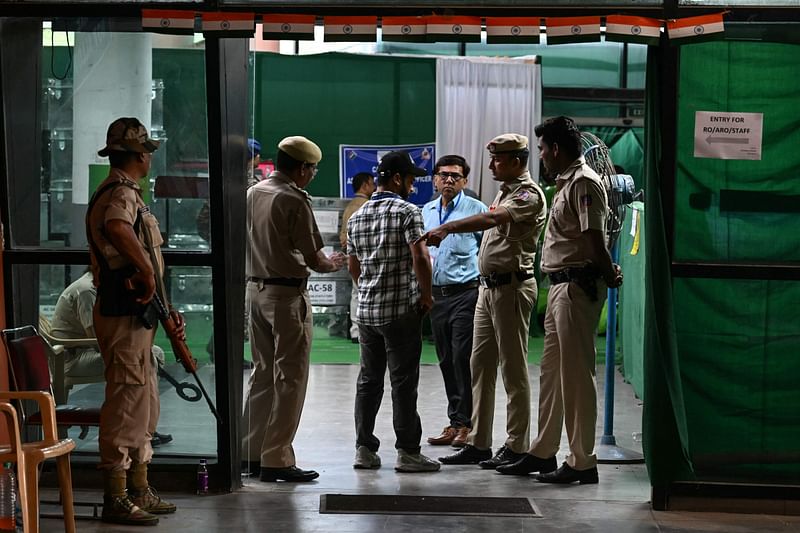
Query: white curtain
[[480, 98]]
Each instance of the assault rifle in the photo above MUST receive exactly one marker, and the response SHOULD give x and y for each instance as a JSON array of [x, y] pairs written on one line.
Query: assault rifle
[[179, 348], [161, 305]]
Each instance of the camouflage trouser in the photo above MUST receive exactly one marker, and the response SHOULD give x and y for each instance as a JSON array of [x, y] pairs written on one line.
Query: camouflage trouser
[[131, 408]]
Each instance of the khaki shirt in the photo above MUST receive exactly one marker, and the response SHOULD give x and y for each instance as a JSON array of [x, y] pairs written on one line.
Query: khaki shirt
[[354, 205], [580, 204], [72, 318], [121, 203], [511, 247], [283, 236]]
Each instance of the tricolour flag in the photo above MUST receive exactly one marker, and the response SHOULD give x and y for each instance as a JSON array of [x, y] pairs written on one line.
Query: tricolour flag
[[351, 29], [288, 27], [696, 29], [625, 29], [407, 29], [512, 30], [461, 29], [229, 24], [168, 21], [562, 30]]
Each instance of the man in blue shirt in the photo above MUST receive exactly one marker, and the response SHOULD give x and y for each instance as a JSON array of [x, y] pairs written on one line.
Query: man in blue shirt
[[455, 293]]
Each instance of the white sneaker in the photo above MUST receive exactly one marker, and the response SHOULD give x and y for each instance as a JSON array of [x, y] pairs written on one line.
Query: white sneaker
[[366, 458], [415, 462]]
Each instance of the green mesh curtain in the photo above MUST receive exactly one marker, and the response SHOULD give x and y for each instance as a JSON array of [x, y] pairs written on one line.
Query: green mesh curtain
[[665, 437], [725, 351], [739, 340]]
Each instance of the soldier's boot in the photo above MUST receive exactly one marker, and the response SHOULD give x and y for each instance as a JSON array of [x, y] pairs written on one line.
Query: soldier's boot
[[145, 496], [118, 507]]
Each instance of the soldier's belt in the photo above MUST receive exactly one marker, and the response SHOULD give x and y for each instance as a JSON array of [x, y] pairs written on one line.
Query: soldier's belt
[[573, 274], [498, 280], [585, 277]]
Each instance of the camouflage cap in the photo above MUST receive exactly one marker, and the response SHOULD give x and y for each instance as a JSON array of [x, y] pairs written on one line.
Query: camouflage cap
[[508, 142], [127, 134], [301, 149]]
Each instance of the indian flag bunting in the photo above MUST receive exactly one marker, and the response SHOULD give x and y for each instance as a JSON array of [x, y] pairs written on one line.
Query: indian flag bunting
[[229, 24], [625, 29], [288, 27], [168, 21], [696, 29], [562, 30], [351, 29], [408, 29], [510, 30], [461, 29]]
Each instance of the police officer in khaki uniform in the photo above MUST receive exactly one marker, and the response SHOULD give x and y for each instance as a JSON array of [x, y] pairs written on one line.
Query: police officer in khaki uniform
[[580, 269], [506, 297], [284, 243], [116, 222]]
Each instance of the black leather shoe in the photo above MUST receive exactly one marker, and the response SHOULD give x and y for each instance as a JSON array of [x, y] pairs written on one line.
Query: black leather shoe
[[504, 456], [566, 474], [468, 455], [160, 438], [529, 463], [288, 473]]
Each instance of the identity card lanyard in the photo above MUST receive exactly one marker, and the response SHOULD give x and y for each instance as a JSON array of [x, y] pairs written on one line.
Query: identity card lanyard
[[449, 212]]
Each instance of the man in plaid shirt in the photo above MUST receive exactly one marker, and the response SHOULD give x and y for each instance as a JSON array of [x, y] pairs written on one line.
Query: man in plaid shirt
[[393, 274]]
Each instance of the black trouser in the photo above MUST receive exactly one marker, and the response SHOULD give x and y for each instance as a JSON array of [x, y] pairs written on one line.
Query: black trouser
[[452, 320], [397, 345]]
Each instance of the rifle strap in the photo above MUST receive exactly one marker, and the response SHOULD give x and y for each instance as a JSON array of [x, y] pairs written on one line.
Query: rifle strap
[[102, 262], [148, 243]]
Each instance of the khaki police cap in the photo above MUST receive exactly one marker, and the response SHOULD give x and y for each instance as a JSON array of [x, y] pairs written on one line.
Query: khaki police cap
[[127, 134], [508, 142], [301, 149]]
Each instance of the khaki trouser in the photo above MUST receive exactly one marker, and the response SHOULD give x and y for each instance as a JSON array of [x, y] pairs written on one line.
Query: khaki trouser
[[130, 411], [568, 392], [502, 320], [280, 340]]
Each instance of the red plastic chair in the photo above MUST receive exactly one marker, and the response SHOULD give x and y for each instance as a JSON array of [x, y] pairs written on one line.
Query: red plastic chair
[[30, 371]]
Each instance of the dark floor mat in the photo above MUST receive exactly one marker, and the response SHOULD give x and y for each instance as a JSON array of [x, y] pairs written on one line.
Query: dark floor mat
[[421, 505]]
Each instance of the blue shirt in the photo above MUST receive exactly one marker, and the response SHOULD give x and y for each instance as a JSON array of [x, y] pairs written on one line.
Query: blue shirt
[[455, 260]]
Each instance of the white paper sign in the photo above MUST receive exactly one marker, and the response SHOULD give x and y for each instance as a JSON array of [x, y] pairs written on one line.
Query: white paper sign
[[719, 135], [322, 292], [328, 221]]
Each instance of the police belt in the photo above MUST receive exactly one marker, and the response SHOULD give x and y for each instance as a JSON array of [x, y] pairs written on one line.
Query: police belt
[[585, 277], [498, 280], [283, 282], [455, 288]]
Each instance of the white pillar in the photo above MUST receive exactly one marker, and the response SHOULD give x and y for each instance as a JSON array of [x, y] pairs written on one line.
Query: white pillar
[[113, 76]]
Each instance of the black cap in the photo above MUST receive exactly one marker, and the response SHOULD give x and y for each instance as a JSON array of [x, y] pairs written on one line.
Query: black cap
[[399, 163]]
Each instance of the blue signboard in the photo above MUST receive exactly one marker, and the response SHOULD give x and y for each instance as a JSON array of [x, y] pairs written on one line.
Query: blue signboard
[[355, 159]]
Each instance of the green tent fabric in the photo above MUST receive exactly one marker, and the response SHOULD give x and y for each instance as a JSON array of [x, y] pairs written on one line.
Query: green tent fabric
[[721, 354], [737, 339], [665, 437], [632, 294]]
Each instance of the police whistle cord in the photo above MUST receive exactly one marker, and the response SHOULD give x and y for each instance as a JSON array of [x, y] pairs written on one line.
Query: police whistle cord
[[179, 347]]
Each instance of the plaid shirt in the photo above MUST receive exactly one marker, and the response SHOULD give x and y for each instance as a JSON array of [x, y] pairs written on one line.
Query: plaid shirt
[[379, 234]]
